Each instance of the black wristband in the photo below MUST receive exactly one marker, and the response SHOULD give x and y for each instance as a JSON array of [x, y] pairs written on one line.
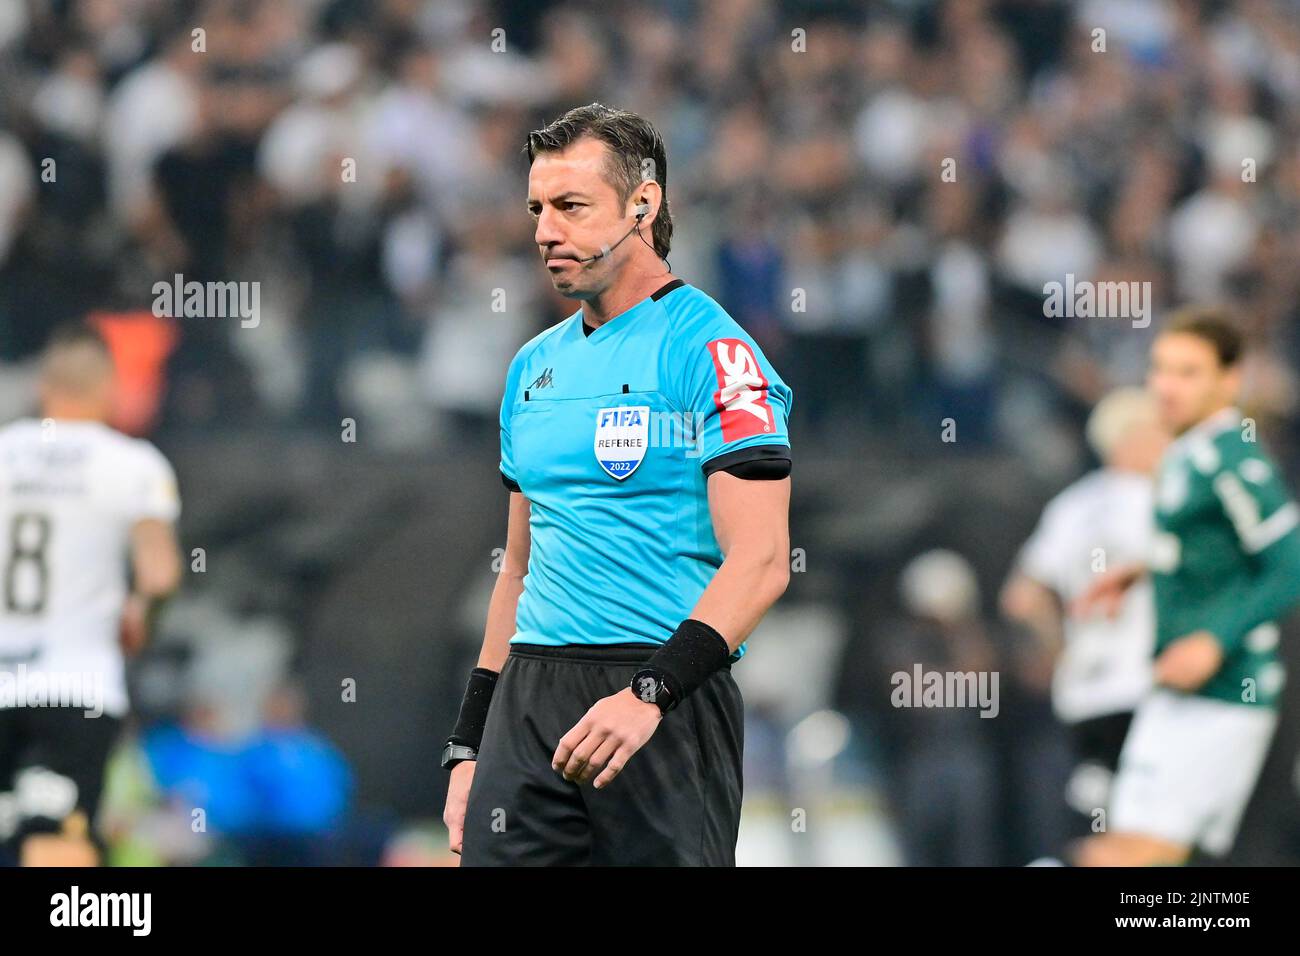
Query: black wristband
[[686, 661], [474, 708]]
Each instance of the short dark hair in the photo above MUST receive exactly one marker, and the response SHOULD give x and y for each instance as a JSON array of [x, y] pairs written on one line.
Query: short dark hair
[[636, 153], [1211, 324]]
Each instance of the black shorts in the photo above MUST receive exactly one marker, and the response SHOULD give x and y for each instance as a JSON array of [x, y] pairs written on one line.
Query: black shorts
[[1096, 744], [51, 764], [675, 803], [1099, 740]]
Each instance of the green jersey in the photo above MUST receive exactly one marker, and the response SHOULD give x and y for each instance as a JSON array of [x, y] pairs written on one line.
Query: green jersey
[[1226, 557]]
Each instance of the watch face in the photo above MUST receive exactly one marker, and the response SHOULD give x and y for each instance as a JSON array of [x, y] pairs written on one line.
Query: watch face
[[648, 689]]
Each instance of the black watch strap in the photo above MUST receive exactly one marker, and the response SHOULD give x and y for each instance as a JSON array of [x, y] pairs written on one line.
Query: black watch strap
[[649, 685], [455, 753]]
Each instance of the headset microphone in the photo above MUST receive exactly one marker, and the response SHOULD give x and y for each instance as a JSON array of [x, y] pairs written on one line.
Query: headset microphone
[[641, 210]]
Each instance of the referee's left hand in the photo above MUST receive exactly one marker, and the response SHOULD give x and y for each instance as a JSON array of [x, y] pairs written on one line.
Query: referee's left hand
[[605, 738]]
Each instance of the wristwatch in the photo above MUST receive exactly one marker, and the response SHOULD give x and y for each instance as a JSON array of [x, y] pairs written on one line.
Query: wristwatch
[[648, 685], [454, 753]]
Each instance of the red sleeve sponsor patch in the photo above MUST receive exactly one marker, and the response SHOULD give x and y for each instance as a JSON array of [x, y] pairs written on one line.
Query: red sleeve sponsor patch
[[741, 397]]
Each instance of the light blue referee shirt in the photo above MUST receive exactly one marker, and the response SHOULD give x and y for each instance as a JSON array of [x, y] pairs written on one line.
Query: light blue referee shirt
[[611, 434]]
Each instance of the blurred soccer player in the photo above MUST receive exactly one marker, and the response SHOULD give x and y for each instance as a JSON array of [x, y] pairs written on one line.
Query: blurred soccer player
[[76, 500], [1102, 520], [614, 734], [1226, 567]]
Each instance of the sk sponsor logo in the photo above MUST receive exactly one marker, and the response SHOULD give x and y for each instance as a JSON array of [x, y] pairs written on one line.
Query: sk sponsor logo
[[742, 390]]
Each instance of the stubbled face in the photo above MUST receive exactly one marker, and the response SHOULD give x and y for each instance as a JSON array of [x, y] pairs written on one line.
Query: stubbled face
[[577, 211], [1187, 380]]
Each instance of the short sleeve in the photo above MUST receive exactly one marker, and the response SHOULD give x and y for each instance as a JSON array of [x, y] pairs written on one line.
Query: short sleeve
[[507, 405], [740, 406], [1256, 501], [153, 492]]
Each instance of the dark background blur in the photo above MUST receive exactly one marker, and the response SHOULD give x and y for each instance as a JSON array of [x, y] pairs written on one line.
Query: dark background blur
[[333, 567]]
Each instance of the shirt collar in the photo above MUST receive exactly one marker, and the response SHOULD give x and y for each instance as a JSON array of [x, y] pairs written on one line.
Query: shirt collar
[[1220, 421], [589, 333]]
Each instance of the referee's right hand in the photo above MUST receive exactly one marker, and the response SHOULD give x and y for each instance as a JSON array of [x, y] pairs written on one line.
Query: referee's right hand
[[453, 814]]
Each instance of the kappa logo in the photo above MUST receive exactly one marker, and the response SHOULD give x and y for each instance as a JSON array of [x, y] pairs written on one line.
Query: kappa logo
[[742, 390]]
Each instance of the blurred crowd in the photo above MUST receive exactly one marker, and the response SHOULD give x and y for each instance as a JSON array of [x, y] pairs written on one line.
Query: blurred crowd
[[878, 190], [362, 161]]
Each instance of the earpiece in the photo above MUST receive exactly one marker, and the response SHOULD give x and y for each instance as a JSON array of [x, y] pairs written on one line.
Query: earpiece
[[641, 209]]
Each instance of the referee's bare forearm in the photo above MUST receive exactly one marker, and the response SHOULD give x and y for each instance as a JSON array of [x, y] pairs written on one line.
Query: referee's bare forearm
[[751, 522], [510, 585]]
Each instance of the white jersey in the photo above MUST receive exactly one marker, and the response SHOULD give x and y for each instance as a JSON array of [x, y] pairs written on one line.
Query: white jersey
[[70, 492], [1101, 522]]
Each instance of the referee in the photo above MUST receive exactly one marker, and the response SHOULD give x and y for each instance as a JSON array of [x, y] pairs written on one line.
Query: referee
[[645, 447]]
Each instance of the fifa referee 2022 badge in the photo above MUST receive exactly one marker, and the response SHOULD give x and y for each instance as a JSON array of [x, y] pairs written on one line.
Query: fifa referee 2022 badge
[[645, 445]]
